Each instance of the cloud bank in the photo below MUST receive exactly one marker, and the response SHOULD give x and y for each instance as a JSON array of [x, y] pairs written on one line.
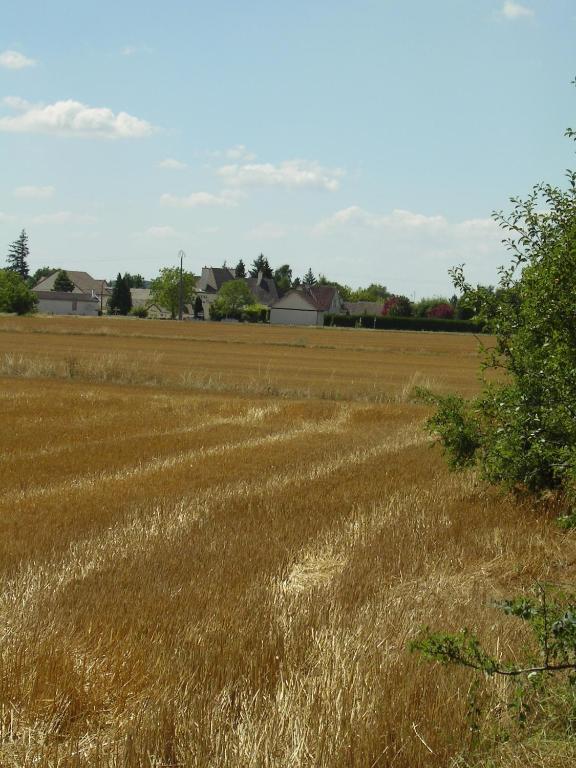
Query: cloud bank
[[290, 174], [72, 118], [514, 11], [15, 60], [226, 199]]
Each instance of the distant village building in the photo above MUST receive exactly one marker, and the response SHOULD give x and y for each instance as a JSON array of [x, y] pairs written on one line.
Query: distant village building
[[263, 289], [88, 296], [363, 307], [306, 305], [67, 303]]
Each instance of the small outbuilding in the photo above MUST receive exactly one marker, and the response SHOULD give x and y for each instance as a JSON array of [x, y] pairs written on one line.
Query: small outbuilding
[[306, 305], [67, 303]]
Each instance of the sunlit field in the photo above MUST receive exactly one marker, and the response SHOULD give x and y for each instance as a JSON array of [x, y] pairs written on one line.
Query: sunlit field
[[217, 540]]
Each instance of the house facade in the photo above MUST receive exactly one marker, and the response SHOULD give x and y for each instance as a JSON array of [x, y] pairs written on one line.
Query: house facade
[[306, 305], [67, 303], [83, 284]]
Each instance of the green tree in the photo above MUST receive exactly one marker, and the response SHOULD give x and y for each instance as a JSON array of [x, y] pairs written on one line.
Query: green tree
[[240, 269], [397, 306], [374, 292], [165, 289], [40, 274], [198, 306], [63, 282], [18, 253], [15, 296], [346, 293], [283, 278], [120, 302], [521, 430], [309, 278], [261, 265], [232, 298], [134, 281]]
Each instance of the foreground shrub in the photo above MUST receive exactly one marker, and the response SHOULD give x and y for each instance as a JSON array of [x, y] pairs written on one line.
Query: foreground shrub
[[15, 296], [403, 323]]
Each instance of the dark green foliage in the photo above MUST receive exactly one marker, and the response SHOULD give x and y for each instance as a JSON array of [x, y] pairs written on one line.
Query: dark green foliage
[[398, 306], [15, 296], [120, 302], [526, 423], [240, 269], [63, 282], [165, 289], [309, 278], [374, 292], [40, 274], [17, 258], [283, 278], [550, 613], [458, 425], [134, 281], [233, 297], [261, 265], [198, 307], [402, 323]]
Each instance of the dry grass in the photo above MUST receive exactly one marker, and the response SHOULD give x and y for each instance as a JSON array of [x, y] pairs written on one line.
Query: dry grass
[[228, 577]]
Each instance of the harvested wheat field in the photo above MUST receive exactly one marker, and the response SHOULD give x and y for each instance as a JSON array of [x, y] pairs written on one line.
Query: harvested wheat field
[[216, 542]]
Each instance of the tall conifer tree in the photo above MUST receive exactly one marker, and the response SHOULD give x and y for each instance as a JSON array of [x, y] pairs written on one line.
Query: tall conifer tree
[[18, 253]]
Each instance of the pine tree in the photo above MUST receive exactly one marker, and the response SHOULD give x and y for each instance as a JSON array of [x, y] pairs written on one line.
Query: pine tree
[[198, 306], [121, 300], [18, 253], [240, 269], [63, 282], [261, 265], [309, 278]]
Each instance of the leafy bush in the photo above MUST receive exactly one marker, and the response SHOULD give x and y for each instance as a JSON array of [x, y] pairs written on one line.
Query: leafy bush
[[524, 421], [397, 306], [255, 313], [444, 311], [402, 323], [139, 311], [15, 296]]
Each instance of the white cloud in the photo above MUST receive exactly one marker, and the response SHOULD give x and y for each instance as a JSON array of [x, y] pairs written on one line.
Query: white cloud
[[290, 174], [170, 163], [161, 233], [239, 152], [132, 50], [266, 231], [63, 217], [6, 217], [398, 220], [226, 199], [15, 60], [34, 193], [513, 11], [72, 118]]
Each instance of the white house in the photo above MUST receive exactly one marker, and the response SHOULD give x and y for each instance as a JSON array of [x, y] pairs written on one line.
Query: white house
[[83, 284], [67, 303], [306, 305]]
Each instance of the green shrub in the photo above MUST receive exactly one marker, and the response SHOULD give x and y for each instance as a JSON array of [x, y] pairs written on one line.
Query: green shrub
[[403, 323], [139, 311]]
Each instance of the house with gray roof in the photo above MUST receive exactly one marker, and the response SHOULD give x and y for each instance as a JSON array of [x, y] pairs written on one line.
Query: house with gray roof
[[83, 283], [306, 305], [67, 303], [263, 289]]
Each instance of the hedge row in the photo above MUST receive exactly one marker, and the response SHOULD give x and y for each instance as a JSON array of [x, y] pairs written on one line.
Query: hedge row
[[385, 322]]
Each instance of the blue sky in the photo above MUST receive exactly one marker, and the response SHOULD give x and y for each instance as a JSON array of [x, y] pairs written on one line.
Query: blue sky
[[368, 140]]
